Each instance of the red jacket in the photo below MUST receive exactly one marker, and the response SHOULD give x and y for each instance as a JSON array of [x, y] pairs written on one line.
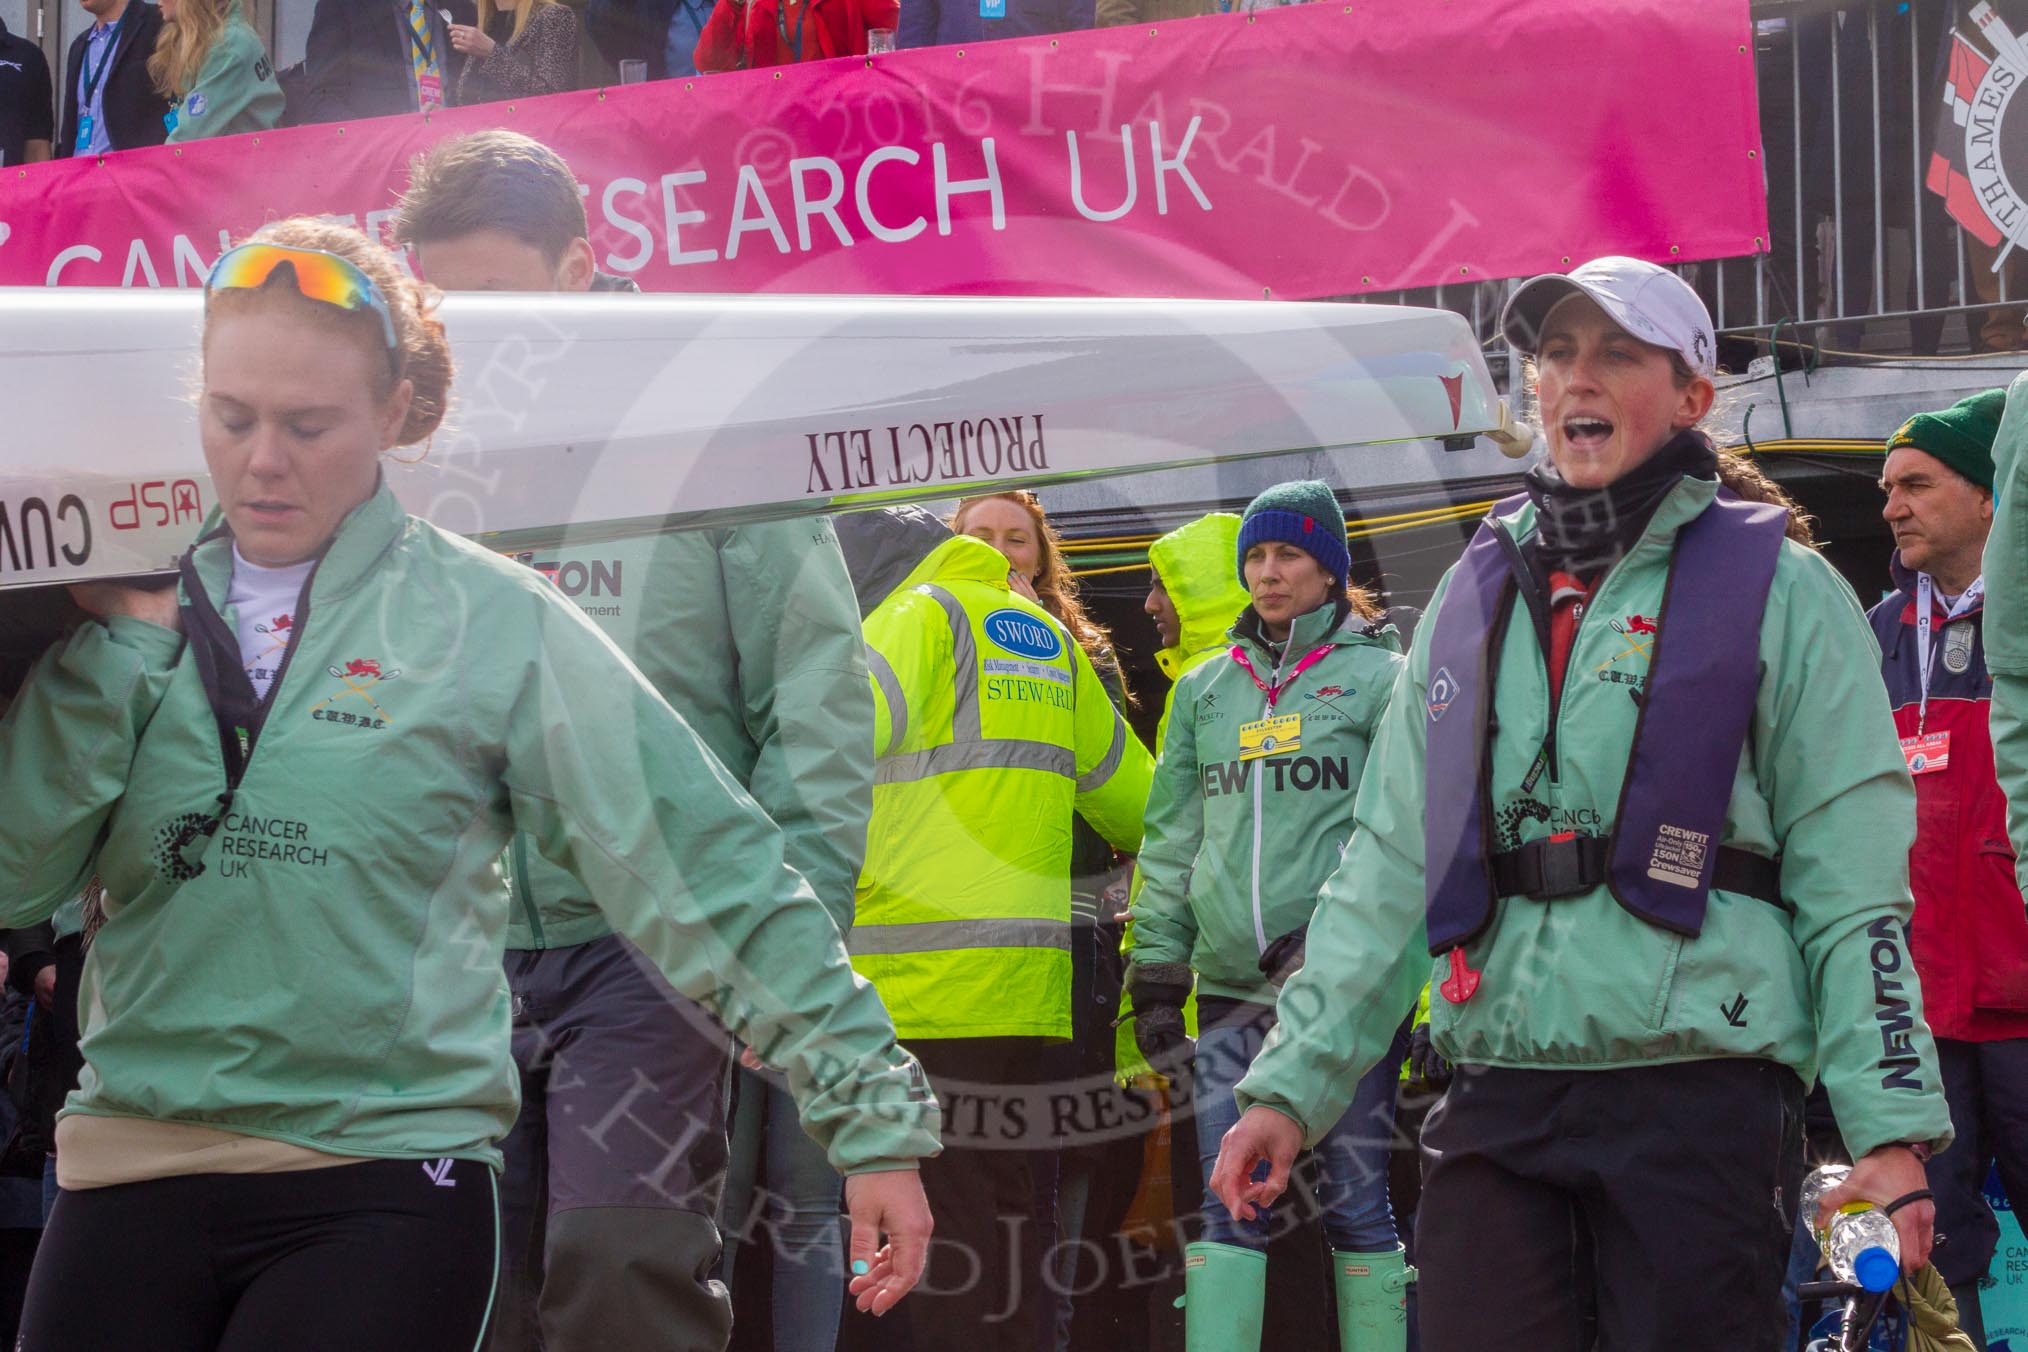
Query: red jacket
[[741, 36], [1970, 935]]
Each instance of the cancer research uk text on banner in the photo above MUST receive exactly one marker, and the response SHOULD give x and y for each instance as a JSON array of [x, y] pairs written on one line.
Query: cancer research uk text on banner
[[1324, 149]]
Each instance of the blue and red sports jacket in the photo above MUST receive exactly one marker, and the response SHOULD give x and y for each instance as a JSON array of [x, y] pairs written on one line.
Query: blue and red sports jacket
[[1970, 936]]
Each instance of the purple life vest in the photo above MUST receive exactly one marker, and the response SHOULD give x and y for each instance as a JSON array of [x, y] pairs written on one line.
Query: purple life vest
[[1695, 714]]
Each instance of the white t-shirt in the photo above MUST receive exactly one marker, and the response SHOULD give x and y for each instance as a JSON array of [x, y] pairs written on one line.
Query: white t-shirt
[[265, 599]]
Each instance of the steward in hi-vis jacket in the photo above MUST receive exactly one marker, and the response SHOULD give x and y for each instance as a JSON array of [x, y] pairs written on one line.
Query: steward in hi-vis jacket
[[991, 729]]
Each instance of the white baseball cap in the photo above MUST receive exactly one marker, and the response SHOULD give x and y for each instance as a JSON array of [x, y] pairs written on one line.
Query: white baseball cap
[[1650, 302]]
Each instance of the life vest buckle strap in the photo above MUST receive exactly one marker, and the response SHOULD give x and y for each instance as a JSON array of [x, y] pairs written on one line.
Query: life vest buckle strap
[[1569, 864], [1563, 865]]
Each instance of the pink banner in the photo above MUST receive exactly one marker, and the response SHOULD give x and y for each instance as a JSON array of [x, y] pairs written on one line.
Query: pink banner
[[1316, 150]]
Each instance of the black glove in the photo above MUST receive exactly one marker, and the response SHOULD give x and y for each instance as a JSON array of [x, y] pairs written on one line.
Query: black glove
[[1158, 1032], [1158, 990], [1284, 957], [1427, 1068]]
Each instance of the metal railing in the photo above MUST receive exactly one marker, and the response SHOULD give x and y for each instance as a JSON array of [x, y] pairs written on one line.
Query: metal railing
[[1862, 257]]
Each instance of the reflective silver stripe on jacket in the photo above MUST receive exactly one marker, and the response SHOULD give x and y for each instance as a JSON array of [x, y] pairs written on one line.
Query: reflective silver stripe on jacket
[[891, 691], [965, 725], [998, 754], [1103, 771], [969, 748], [936, 936]]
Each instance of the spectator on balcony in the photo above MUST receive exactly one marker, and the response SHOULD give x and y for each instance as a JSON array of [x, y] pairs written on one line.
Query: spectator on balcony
[[27, 102], [662, 34], [517, 49], [742, 34], [934, 23], [108, 102], [375, 58], [211, 67]]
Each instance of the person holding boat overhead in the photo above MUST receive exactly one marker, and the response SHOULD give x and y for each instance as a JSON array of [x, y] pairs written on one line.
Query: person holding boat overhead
[[1250, 810], [1636, 810], [300, 815]]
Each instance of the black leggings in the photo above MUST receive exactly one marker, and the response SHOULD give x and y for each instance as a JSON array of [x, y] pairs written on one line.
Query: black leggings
[[393, 1255]]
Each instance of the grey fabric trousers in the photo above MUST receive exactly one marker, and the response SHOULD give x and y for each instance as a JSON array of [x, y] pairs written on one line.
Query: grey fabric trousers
[[615, 1165]]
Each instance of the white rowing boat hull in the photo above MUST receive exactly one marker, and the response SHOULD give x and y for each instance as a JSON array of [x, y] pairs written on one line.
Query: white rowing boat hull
[[607, 415]]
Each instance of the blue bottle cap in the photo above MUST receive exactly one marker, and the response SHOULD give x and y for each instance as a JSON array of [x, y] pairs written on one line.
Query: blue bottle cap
[[1876, 1269]]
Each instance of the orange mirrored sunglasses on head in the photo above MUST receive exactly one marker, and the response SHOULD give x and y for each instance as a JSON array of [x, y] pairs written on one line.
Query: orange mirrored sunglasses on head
[[317, 275]]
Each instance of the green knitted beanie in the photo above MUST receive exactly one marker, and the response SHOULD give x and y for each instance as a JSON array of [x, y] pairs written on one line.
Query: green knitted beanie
[[1961, 436]]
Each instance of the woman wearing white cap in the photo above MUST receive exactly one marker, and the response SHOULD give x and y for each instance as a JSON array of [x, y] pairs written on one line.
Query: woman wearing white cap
[[1637, 812]]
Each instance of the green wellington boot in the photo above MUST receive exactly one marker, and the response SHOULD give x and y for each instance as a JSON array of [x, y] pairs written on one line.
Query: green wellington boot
[[1224, 1293], [1372, 1300]]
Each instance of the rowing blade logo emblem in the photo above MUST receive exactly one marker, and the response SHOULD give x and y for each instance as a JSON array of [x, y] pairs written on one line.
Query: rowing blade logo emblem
[[360, 675]]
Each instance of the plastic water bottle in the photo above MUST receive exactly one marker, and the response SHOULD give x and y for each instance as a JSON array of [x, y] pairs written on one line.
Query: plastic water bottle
[[1861, 1245]]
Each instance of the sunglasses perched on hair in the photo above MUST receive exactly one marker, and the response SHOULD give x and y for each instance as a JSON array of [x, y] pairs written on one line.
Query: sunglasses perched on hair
[[316, 275]]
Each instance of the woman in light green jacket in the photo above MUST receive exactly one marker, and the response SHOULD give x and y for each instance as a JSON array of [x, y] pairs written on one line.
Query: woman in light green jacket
[[210, 65], [1250, 811], [1637, 812], [296, 775]]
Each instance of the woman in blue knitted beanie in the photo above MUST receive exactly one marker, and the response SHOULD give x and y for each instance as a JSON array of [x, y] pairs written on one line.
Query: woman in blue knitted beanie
[[1251, 807]]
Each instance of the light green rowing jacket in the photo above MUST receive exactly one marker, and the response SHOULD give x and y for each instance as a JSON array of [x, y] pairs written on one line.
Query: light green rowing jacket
[[1237, 850], [2006, 626], [752, 634], [323, 965], [235, 90], [1580, 983]]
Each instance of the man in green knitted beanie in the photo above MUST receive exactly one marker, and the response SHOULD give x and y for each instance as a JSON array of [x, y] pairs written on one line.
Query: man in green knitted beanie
[[1939, 484], [1971, 936], [1960, 436]]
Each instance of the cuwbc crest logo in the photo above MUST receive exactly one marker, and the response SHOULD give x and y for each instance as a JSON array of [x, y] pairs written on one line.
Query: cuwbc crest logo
[[358, 676], [1023, 634]]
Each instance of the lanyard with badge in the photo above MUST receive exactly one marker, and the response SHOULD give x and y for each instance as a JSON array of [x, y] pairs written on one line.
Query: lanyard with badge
[[429, 80], [1928, 752], [1274, 733], [86, 123], [782, 26]]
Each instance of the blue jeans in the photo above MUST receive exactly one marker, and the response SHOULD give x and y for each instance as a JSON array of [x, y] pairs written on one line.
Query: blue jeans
[[1351, 1160], [798, 1213]]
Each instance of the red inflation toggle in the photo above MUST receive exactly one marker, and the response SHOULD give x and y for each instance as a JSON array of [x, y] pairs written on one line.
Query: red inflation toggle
[[1462, 982]]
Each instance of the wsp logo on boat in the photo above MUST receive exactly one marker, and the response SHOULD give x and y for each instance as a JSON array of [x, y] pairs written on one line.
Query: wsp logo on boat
[[1023, 634]]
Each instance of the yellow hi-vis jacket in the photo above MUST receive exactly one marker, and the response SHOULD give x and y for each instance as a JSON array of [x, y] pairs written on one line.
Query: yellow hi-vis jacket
[[990, 729]]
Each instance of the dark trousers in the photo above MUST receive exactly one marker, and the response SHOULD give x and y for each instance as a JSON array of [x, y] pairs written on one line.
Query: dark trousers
[[990, 1191], [1986, 1084], [1682, 1177], [614, 1167], [385, 1256]]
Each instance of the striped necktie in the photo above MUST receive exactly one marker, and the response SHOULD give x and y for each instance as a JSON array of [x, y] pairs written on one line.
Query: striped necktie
[[429, 81]]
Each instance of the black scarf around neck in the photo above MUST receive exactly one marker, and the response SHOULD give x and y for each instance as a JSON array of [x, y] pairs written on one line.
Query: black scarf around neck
[[1584, 531]]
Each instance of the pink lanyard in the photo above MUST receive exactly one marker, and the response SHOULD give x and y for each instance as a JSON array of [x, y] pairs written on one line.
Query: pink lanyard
[[1274, 693]]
